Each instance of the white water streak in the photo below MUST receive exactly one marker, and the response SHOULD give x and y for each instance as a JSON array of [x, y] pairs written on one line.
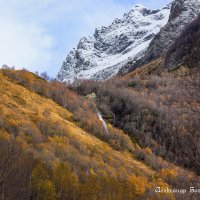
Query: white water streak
[[104, 123]]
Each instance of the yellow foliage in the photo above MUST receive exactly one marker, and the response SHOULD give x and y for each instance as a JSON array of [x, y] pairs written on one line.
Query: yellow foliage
[[148, 151], [139, 184], [167, 173], [45, 128], [4, 136]]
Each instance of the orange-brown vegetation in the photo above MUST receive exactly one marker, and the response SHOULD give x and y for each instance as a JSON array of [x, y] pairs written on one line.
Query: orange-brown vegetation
[[145, 70], [48, 152], [160, 112], [53, 145]]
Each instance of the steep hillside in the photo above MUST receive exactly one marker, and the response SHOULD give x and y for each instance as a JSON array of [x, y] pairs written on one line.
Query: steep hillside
[[159, 111], [46, 155], [110, 48], [186, 49], [153, 67]]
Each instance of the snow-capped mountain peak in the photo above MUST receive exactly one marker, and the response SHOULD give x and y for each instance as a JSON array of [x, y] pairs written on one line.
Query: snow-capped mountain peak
[[102, 55], [181, 14]]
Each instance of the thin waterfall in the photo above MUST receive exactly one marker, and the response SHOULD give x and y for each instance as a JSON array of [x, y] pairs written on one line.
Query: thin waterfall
[[104, 123]]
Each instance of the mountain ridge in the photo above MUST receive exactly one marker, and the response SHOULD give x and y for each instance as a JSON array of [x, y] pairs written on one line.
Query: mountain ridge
[[182, 13], [102, 55], [140, 36], [185, 50]]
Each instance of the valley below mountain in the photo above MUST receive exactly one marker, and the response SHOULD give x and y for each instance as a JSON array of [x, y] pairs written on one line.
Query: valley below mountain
[[120, 121]]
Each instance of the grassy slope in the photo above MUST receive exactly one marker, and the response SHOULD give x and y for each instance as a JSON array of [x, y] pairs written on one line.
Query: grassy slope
[[49, 131], [21, 108]]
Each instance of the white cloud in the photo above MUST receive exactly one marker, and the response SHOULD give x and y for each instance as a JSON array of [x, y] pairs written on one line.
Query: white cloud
[[24, 45], [23, 42], [36, 34]]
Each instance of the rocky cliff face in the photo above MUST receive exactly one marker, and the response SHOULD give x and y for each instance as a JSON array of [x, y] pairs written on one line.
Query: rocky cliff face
[[110, 48], [186, 49], [142, 35], [181, 14]]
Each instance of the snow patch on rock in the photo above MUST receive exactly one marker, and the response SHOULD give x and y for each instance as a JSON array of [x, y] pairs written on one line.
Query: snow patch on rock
[[102, 55]]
